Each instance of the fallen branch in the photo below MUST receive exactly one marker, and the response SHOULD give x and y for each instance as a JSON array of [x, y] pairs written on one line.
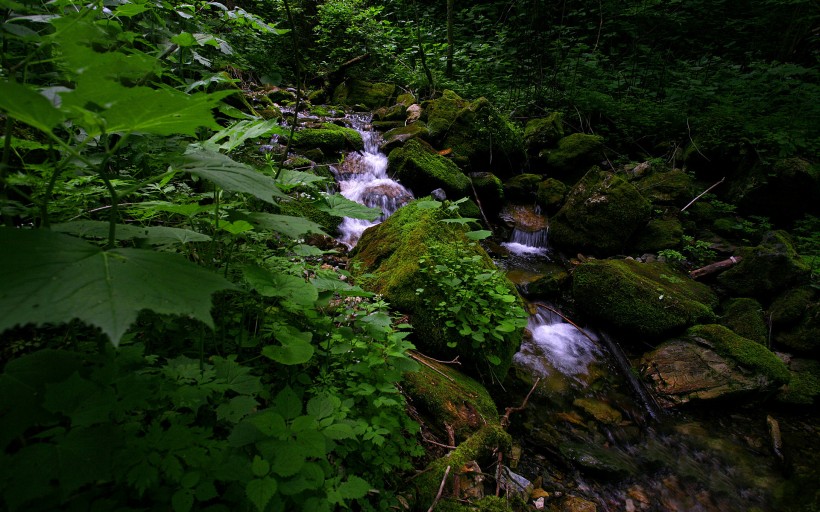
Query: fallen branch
[[454, 361], [428, 365], [715, 267], [505, 421], [703, 193], [440, 489]]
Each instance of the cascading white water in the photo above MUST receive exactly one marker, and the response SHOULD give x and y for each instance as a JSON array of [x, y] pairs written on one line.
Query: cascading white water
[[556, 345], [363, 178], [525, 243]]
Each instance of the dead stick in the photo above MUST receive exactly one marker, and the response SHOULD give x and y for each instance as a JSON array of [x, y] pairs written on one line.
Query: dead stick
[[440, 489], [703, 193], [428, 365], [714, 267], [505, 421], [454, 361]]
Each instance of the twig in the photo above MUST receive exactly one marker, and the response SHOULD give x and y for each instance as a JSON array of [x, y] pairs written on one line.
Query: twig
[[498, 469], [689, 130], [478, 203], [438, 444], [505, 421], [428, 365], [440, 489], [703, 193], [454, 361]]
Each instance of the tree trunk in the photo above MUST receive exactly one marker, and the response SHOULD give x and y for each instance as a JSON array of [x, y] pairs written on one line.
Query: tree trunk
[[448, 72]]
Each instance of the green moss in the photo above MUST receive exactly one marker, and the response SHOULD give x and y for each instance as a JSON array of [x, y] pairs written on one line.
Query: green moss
[[790, 306], [803, 337], [804, 386], [550, 194], [649, 299], [479, 447], [543, 132], [370, 95], [423, 170], [450, 397], [574, 154], [601, 212], [485, 504], [330, 138], [671, 188], [489, 189], [745, 317], [522, 187], [398, 136], [303, 207], [747, 353], [441, 113], [659, 234]]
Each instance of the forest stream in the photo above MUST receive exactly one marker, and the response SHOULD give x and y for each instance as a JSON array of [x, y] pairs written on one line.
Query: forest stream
[[592, 428]]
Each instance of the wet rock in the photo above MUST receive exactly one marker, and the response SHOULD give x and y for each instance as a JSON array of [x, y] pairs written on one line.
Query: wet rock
[[522, 187], [573, 155], [480, 138], [767, 269], [544, 132], [597, 460], [711, 362], [601, 212], [804, 386], [489, 189], [398, 136], [601, 411], [330, 138], [515, 485], [550, 195], [784, 191], [789, 308], [549, 284], [796, 317], [645, 299], [574, 504], [470, 481], [370, 95], [745, 317], [524, 218], [422, 170]]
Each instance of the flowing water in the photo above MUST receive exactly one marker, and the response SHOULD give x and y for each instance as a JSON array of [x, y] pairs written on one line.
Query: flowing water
[[591, 429], [362, 177]]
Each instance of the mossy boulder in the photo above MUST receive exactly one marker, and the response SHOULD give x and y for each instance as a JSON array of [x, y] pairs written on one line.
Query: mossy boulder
[[803, 337], [549, 284], [673, 187], [599, 215], [481, 139], [786, 190], [399, 257], [398, 136], [370, 95], [804, 386], [543, 132], [550, 195], [659, 234], [712, 362], [767, 269], [649, 300], [446, 396], [790, 306], [417, 166], [481, 447], [522, 187], [745, 317], [573, 155], [330, 138], [489, 189]]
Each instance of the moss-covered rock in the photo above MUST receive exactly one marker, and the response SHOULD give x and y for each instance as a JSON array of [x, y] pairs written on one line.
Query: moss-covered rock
[[329, 139], [304, 207], [646, 299], [790, 306], [479, 136], [747, 353], [543, 132], [786, 190], [447, 396], [745, 317], [400, 256], [712, 362], [574, 154], [549, 284], [804, 337], [423, 170], [550, 195], [522, 187], [767, 269], [659, 234], [370, 95], [480, 447], [601, 212], [489, 189], [667, 188], [804, 386], [398, 136]]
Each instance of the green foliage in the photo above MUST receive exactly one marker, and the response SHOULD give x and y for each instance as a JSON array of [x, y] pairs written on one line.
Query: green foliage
[[698, 252]]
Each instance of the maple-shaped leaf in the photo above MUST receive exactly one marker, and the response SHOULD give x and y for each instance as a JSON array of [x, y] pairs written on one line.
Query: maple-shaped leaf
[[53, 278]]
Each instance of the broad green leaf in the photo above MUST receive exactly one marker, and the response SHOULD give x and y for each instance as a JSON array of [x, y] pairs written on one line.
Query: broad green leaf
[[260, 491], [478, 235], [289, 459], [26, 105], [291, 178], [354, 488], [340, 206], [339, 431], [130, 9], [239, 132], [230, 175], [259, 466], [53, 278], [322, 406], [288, 404], [459, 220], [236, 228], [184, 39], [182, 500], [270, 284], [289, 353], [155, 235], [309, 250], [292, 227], [238, 407], [427, 204]]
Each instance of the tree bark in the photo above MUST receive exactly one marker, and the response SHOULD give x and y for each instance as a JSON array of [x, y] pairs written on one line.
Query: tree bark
[[715, 267]]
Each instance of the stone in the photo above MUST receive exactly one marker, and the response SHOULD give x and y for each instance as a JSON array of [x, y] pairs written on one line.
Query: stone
[[804, 386], [397, 137], [573, 155], [601, 411], [367, 94], [597, 460], [673, 187], [329, 139], [489, 190], [576, 504], [418, 167], [543, 132], [659, 234], [648, 300], [550, 195], [745, 317], [522, 187], [600, 214], [784, 191]]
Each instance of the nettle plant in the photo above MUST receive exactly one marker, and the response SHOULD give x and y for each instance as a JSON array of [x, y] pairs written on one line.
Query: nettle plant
[[121, 215]]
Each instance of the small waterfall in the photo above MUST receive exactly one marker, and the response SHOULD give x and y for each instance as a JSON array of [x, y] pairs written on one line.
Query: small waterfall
[[363, 178], [556, 346], [525, 243]]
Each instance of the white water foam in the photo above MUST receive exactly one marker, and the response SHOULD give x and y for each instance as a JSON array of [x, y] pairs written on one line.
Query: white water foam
[[556, 345]]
